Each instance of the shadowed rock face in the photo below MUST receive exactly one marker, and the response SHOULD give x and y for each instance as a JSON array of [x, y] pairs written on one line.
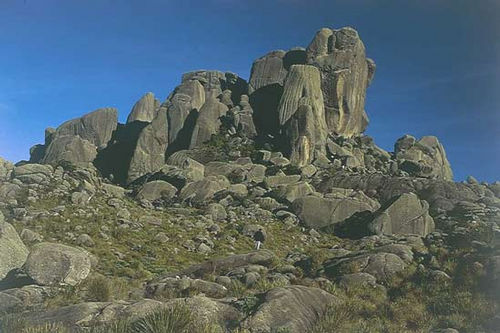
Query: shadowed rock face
[[345, 75], [267, 79]]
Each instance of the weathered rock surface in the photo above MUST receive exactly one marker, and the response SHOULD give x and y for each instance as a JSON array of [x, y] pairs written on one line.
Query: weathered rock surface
[[316, 212], [149, 153], [177, 287], [25, 298], [301, 111], [383, 266], [78, 139], [158, 189], [208, 122], [13, 252], [145, 109], [50, 264], [33, 173], [293, 308], [423, 158], [204, 190], [406, 215], [345, 73]]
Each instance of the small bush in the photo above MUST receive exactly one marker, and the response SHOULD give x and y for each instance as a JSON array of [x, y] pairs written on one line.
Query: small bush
[[120, 326], [264, 284], [176, 319], [237, 289], [47, 328], [99, 289]]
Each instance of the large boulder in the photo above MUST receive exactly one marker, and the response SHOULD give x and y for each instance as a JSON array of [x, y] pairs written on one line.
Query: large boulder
[[301, 111], [293, 309], [423, 158], [203, 190], [316, 212], [345, 73], [407, 214], [13, 252], [158, 189], [149, 153], [72, 149], [382, 265], [145, 109], [171, 287], [50, 264]]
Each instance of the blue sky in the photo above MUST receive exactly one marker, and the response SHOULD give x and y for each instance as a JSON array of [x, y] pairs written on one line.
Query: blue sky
[[438, 62]]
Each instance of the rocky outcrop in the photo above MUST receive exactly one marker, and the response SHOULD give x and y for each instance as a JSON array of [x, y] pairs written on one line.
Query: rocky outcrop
[[145, 109], [267, 79], [345, 73], [301, 112], [423, 158], [96, 127], [50, 264], [407, 214], [13, 252], [293, 309], [183, 105], [317, 212], [208, 122], [149, 153], [77, 140], [267, 70]]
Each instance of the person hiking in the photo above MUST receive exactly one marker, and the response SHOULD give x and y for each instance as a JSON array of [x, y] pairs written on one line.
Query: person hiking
[[259, 238]]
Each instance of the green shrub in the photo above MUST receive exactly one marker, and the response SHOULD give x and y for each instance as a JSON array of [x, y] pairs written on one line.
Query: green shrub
[[264, 284], [99, 289], [237, 289], [120, 326], [176, 319], [47, 328]]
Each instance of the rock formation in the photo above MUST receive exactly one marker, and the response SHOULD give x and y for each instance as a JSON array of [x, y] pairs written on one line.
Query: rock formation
[[345, 73], [423, 158], [128, 223], [301, 112], [145, 109]]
